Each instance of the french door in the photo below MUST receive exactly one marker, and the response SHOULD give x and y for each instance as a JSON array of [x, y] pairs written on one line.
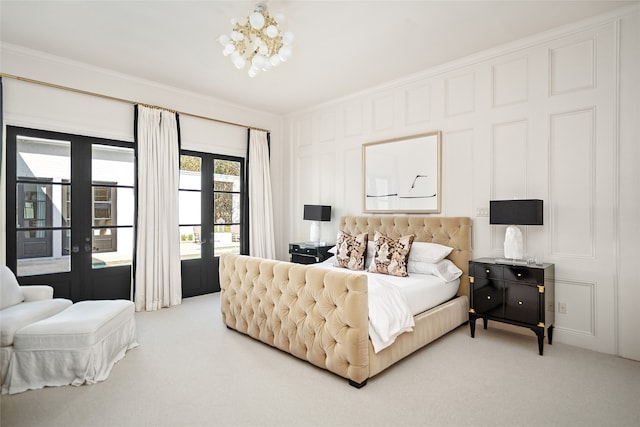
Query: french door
[[72, 225], [211, 200]]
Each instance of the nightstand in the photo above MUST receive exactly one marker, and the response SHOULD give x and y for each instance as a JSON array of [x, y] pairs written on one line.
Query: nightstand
[[309, 253], [515, 294]]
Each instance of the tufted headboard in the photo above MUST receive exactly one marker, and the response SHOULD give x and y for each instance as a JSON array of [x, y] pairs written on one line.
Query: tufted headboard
[[449, 231]]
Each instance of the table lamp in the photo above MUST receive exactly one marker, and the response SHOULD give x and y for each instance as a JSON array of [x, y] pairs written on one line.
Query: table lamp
[[316, 213], [514, 213]]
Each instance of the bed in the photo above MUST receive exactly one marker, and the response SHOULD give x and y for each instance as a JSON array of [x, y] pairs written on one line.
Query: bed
[[321, 315]]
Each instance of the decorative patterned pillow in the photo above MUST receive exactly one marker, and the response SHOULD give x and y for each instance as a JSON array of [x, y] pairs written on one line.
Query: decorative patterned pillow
[[351, 251], [391, 255]]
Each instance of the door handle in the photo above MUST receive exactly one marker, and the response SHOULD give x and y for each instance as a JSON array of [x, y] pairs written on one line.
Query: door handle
[[87, 247], [75, 249]]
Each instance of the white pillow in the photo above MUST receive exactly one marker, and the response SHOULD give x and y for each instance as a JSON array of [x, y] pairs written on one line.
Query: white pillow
[[445, 269], [428, 252], [371, 250], [10, 292]]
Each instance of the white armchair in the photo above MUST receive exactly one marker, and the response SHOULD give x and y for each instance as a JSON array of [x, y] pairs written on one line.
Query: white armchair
[[21, 306], [36, 292]]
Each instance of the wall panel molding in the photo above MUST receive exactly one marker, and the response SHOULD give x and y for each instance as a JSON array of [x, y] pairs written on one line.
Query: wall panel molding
[[325, 126], [509, 146], [572, 139], [579, 298], [572, 67], [418, 104], [460, 94], [457, 194], [383, 113], [304, 134], [353, 119], [353, 188], [327, 179], [510, 82]]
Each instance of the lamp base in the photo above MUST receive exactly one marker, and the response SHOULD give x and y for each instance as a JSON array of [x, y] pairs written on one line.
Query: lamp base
[[314, 232], [513, 247]]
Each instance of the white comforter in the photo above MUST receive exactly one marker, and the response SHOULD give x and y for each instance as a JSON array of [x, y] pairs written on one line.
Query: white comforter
[[393, 301], [389, 312]]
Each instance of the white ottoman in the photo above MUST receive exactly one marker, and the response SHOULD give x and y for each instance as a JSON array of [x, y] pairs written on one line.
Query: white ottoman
[[77, 346]]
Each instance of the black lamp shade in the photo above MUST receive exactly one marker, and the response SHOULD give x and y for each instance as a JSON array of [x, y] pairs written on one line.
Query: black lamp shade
[[515, 212], [317, 213]]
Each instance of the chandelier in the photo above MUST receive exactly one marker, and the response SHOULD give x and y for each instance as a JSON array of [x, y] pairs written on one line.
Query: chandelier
[[258, 42]]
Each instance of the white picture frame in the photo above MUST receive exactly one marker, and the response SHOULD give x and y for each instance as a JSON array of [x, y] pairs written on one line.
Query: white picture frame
[[403, 175]]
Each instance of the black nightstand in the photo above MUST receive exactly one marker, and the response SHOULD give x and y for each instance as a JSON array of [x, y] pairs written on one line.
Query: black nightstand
[[514, 294], [309, 253]]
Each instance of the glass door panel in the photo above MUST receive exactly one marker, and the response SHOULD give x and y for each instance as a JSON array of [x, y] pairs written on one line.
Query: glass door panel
[[112, 205], [226, 206], [190, 228], [190, 207], [43, 182]]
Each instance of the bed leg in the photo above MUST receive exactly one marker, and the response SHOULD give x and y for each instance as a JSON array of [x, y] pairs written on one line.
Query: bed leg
[[358, 385]]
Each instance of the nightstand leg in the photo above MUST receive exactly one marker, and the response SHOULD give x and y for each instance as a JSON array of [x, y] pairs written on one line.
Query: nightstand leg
[[472, 325], [550, 332], [540, 333], [485, 322]]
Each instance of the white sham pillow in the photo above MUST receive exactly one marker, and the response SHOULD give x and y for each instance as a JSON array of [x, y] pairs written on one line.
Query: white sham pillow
[[428, 252], [371, 250], [445, 269]]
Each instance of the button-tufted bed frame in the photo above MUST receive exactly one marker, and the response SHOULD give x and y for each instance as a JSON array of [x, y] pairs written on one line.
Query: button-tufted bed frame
[[321, 315]]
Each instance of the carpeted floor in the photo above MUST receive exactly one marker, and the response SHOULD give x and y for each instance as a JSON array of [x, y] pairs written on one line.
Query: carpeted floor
[[189, 370]]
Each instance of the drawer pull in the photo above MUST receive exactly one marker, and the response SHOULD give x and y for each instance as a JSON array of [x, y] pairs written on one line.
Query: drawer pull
[[489, 297], [519, 302], [487, 271], [519, 274]]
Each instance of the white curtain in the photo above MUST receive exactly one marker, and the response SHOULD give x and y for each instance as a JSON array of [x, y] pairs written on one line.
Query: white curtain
[[157, 280], [3, 182], [261, 236]]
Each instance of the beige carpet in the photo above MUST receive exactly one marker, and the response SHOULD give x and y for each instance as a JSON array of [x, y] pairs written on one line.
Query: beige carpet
[[191, 371]]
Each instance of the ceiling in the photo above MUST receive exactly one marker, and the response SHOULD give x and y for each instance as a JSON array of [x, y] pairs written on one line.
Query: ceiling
[[340, 47]]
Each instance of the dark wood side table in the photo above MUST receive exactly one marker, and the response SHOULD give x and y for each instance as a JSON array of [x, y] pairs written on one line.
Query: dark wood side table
[[521, 295], [309, 253]]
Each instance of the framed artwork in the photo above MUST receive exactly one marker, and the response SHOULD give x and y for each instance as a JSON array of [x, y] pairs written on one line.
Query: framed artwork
[[403, 175]]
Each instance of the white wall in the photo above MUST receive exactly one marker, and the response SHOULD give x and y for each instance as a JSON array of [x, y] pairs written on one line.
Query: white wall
[[41, 107], [550, 117], [628, 208]]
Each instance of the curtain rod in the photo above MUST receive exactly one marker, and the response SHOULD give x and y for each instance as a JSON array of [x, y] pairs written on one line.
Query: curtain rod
[[113, 98]]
